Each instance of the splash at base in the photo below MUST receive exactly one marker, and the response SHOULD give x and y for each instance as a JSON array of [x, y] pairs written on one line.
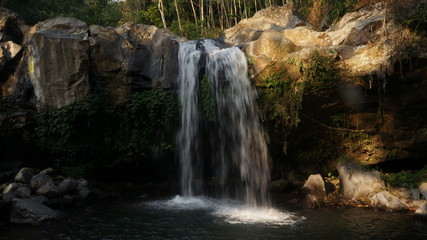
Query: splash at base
[[228, 211]]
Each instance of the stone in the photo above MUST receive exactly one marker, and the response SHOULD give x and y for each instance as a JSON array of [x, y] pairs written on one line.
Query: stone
[[24, 175], [131, 56], [32, 212], [39, 180], [9, 26], [386, 201], [40, 199], [82, 183], [357, 183], [272, 18], [305, 37], [423, 189], [49, 190], [23, 192], [415, 193], [11, 188], [422, 210], [8, 51], [67, 185], [278, 185], [63, 41], [48, 171], [8, 197], [314, 188]]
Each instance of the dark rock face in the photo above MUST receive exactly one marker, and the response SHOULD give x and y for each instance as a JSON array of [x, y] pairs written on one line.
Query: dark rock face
[[132, 56], [24, 175], [39, 180]]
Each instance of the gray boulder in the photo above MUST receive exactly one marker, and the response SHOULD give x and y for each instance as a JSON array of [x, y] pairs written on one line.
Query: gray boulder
[[386, 201], [415, 193], [67, 185], [40, 199], [314, 189], [23, 192], [423, 189], [30, 211], [24, 175], [48, 171], [49, 190], [357, 183], [39, 180], [8, 197]]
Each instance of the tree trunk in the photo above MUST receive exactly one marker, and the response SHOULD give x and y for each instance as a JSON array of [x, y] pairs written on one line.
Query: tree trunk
[[177, 15], [162, 13], [194, 15]]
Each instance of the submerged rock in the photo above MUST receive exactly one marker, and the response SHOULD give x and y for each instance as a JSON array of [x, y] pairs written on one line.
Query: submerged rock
[[30, 211], [357, 183], [385, 200]]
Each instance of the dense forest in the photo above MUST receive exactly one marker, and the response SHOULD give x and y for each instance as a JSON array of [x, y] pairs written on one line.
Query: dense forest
[[204, 18]]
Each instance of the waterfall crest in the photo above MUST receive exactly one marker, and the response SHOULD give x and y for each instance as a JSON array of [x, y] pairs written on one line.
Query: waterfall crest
[[234, 142]]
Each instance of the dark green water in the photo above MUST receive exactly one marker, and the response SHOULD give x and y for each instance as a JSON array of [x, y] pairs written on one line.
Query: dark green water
[[204, 218]]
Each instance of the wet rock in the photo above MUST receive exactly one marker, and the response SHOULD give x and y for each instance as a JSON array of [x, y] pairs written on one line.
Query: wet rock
[[48, 190], [423, 189], [24, 175], [39, 180], [278, 185], [30, 211], [314, 188], [67, 185], [385, 200], [357, 183], [23, 192], [422, 210]]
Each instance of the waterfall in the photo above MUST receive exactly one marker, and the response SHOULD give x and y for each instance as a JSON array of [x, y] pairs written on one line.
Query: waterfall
[[232, 143]]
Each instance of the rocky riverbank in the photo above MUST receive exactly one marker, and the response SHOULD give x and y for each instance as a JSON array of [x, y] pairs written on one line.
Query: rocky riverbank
[[34, 197]]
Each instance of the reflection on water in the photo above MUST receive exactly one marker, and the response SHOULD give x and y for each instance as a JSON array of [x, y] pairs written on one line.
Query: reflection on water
[[206, 218]]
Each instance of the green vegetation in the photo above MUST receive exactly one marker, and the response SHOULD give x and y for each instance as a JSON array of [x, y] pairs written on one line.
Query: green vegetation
[[409, 179], [92, 136]]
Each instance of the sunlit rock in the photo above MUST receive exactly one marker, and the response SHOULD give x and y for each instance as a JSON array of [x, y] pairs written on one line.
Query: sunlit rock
[[273, 18], [385, 200], [24, 175], [423, 189], [314, 188], [357, 183]]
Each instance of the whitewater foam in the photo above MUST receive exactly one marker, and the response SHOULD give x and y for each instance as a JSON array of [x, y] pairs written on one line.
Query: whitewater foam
[[228, 211]]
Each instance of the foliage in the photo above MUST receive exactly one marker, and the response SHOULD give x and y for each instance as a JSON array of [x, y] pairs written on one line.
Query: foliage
[[93, 135], [320, 74], [406, 178]]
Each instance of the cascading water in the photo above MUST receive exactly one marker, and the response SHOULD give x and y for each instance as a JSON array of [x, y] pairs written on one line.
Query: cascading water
[[237, 148]]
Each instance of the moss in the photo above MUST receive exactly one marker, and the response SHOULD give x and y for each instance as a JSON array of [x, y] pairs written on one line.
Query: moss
[[409, 179]]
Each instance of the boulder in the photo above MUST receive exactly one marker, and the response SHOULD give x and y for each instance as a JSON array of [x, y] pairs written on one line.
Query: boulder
[[422, 210], [8, 197], [305, 37], [130, 56], [48, 171], [415, 193], [24, 175], [11, 188], [39, 180], [30, 211], [67, 185], [314, 188], [40, 199], [386, 201], [48, 190], [357, 183], [423, 189], [23, 192], [272, 18], [55, 63]]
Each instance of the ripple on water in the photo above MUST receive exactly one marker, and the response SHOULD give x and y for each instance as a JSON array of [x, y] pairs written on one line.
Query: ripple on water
[[228, 211]]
